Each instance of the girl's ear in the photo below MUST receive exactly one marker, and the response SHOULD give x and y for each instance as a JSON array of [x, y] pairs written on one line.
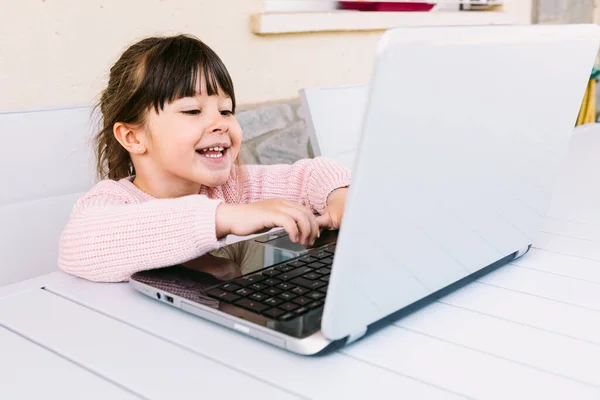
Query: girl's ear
[[131, 138]]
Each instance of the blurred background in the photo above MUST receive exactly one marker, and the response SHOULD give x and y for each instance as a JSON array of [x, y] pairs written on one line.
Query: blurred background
[[56, 53]]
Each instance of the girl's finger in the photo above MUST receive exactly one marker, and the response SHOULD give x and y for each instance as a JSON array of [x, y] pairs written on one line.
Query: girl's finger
[[304, 225], [325, 221], [310, 217], [289, 224]]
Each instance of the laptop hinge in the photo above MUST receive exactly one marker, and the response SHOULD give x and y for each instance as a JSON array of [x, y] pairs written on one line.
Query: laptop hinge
[[353, 337], [522, 252]]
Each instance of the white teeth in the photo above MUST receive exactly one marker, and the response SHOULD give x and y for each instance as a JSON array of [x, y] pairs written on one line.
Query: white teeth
[[219, 155], [214, 149], [207, 149]]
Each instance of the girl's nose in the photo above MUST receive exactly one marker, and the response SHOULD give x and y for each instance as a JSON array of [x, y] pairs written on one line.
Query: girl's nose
[[217, 124]]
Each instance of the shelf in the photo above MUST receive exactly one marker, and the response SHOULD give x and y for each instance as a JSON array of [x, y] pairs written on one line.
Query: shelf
[[350, 21]]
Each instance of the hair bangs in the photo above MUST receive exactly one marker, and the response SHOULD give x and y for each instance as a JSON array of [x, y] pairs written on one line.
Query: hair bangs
[[183, 67]]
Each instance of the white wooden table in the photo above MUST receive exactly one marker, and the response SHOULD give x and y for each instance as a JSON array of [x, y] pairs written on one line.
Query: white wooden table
[[530, 330]]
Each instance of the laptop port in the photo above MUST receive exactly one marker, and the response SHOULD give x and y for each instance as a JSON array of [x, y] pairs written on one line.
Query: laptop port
[[158, 295], [169, 299]]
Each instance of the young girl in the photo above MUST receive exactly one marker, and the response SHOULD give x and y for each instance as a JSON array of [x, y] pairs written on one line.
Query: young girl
[[169, 148]]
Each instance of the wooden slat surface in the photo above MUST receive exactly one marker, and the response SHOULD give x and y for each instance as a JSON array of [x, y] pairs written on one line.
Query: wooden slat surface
[[28, 371]]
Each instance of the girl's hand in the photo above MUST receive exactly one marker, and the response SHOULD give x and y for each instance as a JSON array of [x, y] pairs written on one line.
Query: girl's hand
[[334, 212], [247, 219]]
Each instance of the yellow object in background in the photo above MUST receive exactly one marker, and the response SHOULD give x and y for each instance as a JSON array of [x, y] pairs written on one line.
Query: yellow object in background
[[587, 113]]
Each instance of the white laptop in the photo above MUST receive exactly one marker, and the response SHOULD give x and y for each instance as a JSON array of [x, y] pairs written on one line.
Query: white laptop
[[463, 135]]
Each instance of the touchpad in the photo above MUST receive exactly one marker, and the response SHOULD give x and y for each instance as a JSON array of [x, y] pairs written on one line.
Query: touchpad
[[281, 240]]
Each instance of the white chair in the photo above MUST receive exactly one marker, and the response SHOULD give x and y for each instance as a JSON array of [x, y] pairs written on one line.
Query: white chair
[[334, 120], [46, 164]]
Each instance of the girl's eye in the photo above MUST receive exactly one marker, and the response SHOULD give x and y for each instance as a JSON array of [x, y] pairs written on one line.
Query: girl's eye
[[191, 112], [226, 112]]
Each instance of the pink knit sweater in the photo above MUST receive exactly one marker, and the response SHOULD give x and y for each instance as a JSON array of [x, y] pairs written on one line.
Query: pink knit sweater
[[116, 229]]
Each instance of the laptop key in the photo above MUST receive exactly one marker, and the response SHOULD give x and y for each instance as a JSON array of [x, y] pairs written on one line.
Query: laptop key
[[327, 261], [249, 280], [321, 254], [258, 296], [300, 290], [315, 304], [271, 282], [296, 263], [324, 271], [312, 276], [307, 283], [323, 290], [271, 273], [315, 295], [274, 313], [216, 292], [255, 278], [244, 292], [273, 301], [223, 295], [251, 305], [308, 259], [288, 306], [230, 287], [317, 265], [272, 291], [302, 301], [301, 310], [286, 276], [325, 278], [258, 286], [287, 296], [286, 286], [284, 268]]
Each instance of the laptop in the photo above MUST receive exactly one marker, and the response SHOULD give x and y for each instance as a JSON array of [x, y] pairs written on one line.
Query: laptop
[[463, 135]]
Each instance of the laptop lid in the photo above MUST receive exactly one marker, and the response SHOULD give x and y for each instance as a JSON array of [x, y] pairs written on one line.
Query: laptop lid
[[464, 134]]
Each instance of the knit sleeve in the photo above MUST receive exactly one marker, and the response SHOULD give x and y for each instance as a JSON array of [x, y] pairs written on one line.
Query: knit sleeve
[[107, 239], [308, 181]]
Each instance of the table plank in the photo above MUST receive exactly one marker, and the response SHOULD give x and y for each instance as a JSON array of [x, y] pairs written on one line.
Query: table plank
[[550, 286], [33, 283], [575, 229], [569, 245], [547, 351], [561, 264], [471, 372], [331, 376], [28, 371], [565, 319], [145, 364]]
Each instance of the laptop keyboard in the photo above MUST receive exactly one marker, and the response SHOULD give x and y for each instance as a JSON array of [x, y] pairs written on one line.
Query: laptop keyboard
[[283, 292]]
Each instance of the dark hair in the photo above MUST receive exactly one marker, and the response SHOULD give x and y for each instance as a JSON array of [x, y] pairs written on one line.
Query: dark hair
[[150, 73]]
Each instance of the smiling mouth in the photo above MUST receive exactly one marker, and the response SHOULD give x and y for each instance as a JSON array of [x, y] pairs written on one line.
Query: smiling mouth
[[213, 151]]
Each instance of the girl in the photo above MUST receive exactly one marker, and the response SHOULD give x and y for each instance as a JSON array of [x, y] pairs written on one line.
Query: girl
[[169, 147]]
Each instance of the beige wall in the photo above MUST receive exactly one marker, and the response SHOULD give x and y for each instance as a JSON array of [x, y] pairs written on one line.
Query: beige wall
[[521, 9], [565, 11], [58, 52]]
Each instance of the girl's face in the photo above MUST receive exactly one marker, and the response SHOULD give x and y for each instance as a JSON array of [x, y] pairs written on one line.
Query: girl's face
[[193, 141]]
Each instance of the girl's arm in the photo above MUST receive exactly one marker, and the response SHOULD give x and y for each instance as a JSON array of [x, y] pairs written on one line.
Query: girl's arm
[[308, 182], [107, 239]]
